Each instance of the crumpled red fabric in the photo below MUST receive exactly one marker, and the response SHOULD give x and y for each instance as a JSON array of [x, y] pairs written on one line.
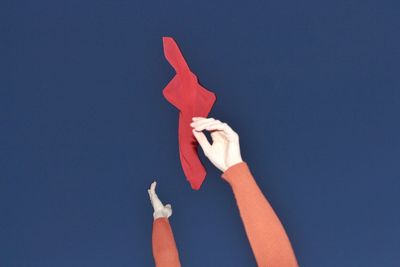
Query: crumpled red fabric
[[192, 100]]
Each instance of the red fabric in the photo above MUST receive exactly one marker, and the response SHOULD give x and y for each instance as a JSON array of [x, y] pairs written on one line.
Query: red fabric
[[192, 100]]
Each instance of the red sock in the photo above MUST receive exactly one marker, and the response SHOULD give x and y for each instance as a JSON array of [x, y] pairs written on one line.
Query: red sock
[[192, 100]]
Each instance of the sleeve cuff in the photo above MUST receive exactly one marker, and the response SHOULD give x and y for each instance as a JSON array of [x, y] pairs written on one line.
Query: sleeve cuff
[[237, 169]]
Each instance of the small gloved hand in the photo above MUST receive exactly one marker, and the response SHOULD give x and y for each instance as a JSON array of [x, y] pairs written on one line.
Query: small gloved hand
[[224, 150], [159, 209]]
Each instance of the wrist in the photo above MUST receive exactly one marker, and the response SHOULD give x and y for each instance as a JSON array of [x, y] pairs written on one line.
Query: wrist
[[232, 163], [164, 212], [237, 172]]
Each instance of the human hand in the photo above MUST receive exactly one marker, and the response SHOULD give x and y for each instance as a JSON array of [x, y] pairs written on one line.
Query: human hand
[[159, 209], [224, 150]]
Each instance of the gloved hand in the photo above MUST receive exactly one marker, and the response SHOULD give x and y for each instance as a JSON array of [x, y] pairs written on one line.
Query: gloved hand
[[224, 150], [159, 209]]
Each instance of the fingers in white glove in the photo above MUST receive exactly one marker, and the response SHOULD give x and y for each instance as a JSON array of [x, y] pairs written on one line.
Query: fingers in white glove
[[159, 209], [224, 151], [155, 201], [198, 124], [225, 128], [203, 142]]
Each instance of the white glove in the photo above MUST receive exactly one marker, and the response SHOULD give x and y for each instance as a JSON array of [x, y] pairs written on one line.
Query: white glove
[[224, 151], [159, 209]]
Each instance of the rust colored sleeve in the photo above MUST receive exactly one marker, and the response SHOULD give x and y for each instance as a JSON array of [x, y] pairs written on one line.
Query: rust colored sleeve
[[164, 248], [267, 237]]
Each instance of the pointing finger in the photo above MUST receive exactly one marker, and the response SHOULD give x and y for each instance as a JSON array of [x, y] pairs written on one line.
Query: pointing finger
[[222, 127], [153, 187], [199, 122], [197, 118], [202, 126]]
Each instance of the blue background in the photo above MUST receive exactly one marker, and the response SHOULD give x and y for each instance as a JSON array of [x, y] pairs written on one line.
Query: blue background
[[312, 88]]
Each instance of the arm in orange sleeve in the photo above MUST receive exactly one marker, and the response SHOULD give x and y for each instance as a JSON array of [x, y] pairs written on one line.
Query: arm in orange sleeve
[[164, 248], [267, 237]]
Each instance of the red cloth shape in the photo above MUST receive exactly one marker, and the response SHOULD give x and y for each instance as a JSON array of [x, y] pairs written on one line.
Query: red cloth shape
[[192, 100]]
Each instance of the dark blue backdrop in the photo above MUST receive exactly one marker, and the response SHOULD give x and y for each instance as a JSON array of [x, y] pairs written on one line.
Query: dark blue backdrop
[[311, 87]]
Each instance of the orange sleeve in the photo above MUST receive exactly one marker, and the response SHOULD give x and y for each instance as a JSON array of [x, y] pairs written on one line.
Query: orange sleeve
[[267, 237], [164, 248]]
